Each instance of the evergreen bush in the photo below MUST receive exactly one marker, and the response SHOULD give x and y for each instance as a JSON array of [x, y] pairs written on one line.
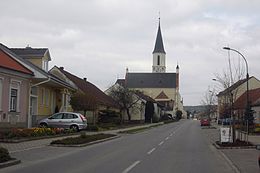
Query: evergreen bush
[[4, 155]]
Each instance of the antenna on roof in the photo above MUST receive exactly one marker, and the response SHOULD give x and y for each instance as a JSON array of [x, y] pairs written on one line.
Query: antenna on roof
[[28, 46]]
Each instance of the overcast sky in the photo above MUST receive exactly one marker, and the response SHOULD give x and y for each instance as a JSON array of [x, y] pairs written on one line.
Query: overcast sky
[[98, 39]]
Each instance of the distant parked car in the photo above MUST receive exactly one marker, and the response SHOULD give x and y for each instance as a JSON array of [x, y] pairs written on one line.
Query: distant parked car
[[226, 121], [66, 120], [204, 122]]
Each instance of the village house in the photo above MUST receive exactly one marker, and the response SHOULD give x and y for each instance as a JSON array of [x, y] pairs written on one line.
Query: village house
[[98, 98], [138, 110], [14, 90], [231, 94], [46, 94]]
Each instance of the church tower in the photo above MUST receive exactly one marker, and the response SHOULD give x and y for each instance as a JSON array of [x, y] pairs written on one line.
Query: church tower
[[159, 53]]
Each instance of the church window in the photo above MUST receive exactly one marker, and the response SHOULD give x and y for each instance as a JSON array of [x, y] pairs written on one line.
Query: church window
[[158, 60]]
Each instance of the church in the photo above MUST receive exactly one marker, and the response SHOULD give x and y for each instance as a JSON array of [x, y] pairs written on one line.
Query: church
[[160, 85]]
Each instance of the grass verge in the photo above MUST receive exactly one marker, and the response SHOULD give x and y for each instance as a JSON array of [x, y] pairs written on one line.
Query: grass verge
[[82, 139]]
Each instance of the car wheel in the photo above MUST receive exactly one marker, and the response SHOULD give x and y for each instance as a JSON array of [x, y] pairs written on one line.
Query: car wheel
[[74, 128], [43, 125]]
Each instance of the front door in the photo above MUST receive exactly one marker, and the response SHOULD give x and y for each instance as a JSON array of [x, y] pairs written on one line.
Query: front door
[[33, 110]]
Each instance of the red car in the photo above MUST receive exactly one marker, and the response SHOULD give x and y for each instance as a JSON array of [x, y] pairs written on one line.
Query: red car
[[204, 122]]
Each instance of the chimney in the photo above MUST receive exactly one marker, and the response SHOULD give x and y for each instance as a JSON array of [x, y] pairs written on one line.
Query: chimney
[[85, 79], [62, 68]]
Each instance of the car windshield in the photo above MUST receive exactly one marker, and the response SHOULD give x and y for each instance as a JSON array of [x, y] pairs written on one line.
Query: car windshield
[[57, 116]]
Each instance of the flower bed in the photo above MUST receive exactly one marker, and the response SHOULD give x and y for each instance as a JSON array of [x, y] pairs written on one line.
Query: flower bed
[[237, 144], [16, 133]]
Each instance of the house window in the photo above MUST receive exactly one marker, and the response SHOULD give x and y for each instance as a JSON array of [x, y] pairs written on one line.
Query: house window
[[1, 91], [158, 60], [34, 91], [45, 65], [14, 96], [13, 100]]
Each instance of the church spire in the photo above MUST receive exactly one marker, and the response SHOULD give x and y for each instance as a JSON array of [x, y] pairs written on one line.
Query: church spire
[[159, 53], [159, 48]]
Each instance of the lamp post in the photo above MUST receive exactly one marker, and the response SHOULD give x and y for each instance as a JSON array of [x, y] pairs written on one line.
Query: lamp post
[[247, 78], [247, 74]]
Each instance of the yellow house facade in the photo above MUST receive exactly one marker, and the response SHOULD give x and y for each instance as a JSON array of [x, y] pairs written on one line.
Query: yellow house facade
[[48, 93]]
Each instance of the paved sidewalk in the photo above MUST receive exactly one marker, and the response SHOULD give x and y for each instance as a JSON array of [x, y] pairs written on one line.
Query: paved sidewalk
[[28, 145], [245, 160]]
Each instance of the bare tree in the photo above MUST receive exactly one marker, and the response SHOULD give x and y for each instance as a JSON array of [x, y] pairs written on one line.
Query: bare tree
[[210, 101], [125, 98]]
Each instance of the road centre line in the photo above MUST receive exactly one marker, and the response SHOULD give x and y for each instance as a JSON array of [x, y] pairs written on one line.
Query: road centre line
[[149, 152], [166, 138], [131, 166], [161, 143]]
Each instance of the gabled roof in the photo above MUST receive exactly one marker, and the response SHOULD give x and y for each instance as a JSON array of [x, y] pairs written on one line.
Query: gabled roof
[[39, 74], [254, 96], [10, 63], [233, 87], [121, 82], [29, 52], [89, 88], [145, 97], [151, 80], [162, 95], [158, 47]]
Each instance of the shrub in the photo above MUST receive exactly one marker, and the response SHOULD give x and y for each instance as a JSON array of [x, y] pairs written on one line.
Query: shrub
[[4, 155], [92, 128], [108, 116], [155, 119], [178, 114]]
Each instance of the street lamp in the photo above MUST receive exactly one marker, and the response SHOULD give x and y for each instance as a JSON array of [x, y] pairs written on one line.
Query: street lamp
[[247, 74], [247, 78]]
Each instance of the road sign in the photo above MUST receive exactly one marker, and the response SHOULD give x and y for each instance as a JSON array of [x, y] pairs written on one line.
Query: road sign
[[225, 134]]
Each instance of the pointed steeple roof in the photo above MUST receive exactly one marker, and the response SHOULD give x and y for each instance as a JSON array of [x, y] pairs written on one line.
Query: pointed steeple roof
[[159, 48]]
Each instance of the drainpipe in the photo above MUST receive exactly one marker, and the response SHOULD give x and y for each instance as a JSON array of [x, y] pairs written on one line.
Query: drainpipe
[[29, 122]]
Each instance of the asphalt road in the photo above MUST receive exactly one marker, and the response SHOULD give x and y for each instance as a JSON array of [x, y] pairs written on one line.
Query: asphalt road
[[177, 147]]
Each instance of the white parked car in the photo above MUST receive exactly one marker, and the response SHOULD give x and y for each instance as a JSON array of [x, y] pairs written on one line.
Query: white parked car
[[66, 120]]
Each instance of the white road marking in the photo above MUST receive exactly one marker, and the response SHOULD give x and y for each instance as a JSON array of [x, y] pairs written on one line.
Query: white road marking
[[171, 134], [167, 138], [131, 166], [151, 151], [161, 143]]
